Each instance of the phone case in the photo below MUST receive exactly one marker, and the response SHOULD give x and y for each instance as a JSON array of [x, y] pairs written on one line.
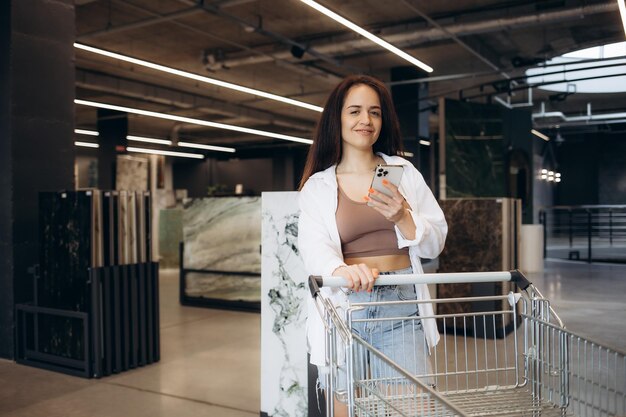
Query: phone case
[[392, 173]]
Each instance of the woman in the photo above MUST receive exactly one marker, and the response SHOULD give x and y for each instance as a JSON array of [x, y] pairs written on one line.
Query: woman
[[347, 229]]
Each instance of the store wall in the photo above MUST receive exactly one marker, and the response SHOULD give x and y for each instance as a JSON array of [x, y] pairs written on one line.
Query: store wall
[[578, 164], [593, 166], [612, 171], [256, 175], [193, 176], [278, 172]]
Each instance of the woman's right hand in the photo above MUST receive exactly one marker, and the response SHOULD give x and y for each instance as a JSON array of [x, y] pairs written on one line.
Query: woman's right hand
[[359, 276]]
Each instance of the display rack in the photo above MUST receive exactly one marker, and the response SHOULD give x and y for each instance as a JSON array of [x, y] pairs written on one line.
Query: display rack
[[214, 302]]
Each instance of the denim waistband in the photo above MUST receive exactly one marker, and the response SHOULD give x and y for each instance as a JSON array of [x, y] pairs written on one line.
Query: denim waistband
[[403, 271]]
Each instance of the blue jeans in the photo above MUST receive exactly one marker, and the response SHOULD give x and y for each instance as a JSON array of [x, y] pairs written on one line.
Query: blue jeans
[[403, 341]]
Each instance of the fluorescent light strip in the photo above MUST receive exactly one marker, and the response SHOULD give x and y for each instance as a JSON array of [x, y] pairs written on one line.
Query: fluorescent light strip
[[193, 121], [407, 154], [367, 34], [622, 11], [539, 134], [149, 140], [166, 153], [208, 147], [87, 144], [86, 132], [197, 77], [424, 142]]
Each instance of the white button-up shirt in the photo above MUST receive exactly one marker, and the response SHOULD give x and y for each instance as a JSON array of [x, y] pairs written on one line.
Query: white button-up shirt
[[320, 246]]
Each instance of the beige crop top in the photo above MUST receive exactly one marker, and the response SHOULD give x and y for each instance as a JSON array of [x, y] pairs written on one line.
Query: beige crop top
[[363, 231]]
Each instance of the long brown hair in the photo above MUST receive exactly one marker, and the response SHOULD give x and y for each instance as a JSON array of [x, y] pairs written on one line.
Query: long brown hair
[[326, 148]]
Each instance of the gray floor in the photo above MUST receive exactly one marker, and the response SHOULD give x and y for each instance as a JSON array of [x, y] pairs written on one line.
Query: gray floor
[[590, 298], [210, 363], [210, 366]]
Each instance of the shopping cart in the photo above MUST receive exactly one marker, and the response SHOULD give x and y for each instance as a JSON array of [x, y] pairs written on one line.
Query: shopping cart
[[515, 360]]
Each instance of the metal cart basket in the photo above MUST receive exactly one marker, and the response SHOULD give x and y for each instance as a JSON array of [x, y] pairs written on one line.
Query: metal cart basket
[[515, 360]]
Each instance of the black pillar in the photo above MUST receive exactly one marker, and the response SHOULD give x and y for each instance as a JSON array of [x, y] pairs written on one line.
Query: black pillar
[[36, 136], [283, 175], [112, 129], [413, 118]]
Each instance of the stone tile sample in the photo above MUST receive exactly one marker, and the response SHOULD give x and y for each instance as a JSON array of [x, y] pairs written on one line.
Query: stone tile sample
[[65, 220], [66, 254], [475, 149], [131, 173], [483, 235], [283, 310], [223, 234]]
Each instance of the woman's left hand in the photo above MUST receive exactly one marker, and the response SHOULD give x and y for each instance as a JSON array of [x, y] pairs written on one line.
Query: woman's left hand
[[392, 208]]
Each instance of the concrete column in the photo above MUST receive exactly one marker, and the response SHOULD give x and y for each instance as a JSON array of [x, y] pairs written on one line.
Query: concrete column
[[283, 172], [36, 136], [113, 128], [413, 121]]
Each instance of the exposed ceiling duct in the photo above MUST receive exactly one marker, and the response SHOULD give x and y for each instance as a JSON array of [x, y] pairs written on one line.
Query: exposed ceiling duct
[[589, 118], [258, 28], [420, 36]]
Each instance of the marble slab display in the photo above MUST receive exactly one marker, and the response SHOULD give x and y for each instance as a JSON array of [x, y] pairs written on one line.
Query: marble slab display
[[131, 173], [170, 236], [83, 229], [474, 150], [483, 235], [141, 228], [65, 242], [133, 243], [80, 230], [164, 199], [123, 239], [66, 251], [231, 287], [109, 236], [223, 234], [474, 241], [97, 235], [148, 236], [283, 310]]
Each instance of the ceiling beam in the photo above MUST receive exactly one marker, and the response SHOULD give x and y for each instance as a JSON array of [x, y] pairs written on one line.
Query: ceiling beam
[[407, 37], [491, 62], [140, 23], [258, 28], [309, 71], [159, 18], [97, 81]]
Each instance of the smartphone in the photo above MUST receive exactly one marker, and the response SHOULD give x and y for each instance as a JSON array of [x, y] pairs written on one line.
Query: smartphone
[[391, 173]]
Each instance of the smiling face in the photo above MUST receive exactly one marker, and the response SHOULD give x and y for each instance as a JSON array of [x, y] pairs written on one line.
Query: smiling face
[[361, 118]]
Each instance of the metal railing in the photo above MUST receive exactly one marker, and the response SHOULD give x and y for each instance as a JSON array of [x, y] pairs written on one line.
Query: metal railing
[[589, 232]]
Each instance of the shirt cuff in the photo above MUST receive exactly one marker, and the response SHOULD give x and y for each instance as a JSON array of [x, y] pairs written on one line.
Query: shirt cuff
[[331, 268], [420, 232]]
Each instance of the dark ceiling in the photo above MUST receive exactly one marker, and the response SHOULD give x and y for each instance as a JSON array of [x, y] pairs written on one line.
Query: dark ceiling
[[476, 47]]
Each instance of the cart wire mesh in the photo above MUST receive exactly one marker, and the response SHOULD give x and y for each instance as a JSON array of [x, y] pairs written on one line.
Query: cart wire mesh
[[515, 359]]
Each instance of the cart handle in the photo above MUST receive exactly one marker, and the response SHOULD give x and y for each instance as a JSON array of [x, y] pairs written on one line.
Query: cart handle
[[315, 282]]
